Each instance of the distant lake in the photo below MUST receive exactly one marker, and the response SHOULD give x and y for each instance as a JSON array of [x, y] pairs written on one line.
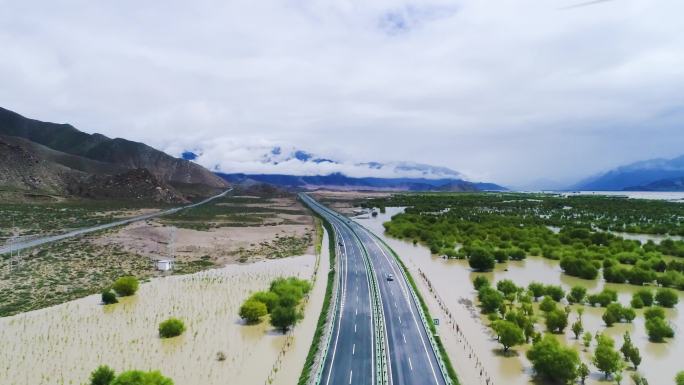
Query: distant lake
[[656, 195]]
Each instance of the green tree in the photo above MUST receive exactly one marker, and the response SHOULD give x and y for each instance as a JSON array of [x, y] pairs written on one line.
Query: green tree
[[583, 372], [577, 328], [490, 299], [556, 321], [284, 318], [645, 295], [172, 327], [586, 339], [480, 281], [108, 297], [509, 334], [606, 358], [552, 361], [252, 310], [506, 286], [126, 286], [577, 294], [666, 297], [679, 379], [555, 292], [547, 304], [103, 375], [481, 259], [137, 377], [658, 329], [654, 312], [537, 289], [268, 298]]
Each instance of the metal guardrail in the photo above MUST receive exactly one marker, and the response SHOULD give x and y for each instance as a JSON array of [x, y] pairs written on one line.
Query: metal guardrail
[[382, 375]]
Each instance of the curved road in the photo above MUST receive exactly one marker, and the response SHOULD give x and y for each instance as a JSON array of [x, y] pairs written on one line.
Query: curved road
[[53, 238], [410, 355]]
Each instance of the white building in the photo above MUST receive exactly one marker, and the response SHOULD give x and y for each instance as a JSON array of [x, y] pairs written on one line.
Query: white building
[[164, 265]]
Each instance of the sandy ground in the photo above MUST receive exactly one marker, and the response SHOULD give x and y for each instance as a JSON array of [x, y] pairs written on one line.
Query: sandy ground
[[64, 343], [152, 239]]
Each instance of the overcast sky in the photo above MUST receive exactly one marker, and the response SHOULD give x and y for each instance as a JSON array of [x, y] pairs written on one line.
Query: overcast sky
[[509, 91]]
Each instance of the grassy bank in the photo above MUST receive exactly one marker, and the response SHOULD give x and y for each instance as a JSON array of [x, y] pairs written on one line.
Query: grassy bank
[[320, 326]]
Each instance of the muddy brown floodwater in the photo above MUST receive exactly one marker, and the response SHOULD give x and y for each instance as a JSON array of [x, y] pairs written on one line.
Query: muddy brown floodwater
[[475, 352], [62, 344]]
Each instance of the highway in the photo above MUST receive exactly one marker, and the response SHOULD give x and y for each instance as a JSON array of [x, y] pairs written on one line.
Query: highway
[[53, 238], [409, 354], [350, 358]]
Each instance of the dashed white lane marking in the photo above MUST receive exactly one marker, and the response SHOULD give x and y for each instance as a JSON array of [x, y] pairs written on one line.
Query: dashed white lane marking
[[410, 364], [354, 328], [353, 349], [399, 319], [350, 375], [404, 337]]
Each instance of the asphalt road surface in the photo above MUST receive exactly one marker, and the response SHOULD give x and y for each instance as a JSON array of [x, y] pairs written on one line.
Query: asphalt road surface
[[53, 238], [410, 355]]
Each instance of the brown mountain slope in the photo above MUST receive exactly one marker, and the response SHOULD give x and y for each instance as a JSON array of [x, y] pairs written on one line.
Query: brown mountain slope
[[30, 168], [124, 153]]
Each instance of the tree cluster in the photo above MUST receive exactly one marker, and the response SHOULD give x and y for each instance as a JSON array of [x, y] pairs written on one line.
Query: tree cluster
[[281, 301]]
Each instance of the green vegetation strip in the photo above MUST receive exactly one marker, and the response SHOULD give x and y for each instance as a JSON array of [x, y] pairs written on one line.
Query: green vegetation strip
[[450, 371], [320, 326]]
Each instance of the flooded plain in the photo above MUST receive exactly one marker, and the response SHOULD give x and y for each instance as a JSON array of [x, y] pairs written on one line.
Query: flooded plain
[[62, 344], [475, 352]]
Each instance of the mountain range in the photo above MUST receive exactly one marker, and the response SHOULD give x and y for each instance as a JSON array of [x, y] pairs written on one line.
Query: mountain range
[[47, 158], [339, 181], [648, 175]]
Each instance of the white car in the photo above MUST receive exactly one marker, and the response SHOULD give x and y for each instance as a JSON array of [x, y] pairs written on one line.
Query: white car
[[390, 277]]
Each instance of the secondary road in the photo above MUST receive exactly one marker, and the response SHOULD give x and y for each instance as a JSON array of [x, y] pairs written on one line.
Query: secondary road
[[410, 355], [53, 238]]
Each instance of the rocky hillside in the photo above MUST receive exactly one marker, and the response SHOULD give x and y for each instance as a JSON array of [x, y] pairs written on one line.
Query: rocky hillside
[[121, 152], [57, 159]]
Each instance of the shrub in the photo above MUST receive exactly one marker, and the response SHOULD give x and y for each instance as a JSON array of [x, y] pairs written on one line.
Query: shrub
[[481, 260], [137, 377], [679, 379], [506, 286], [252, 310], [552, 361], [556, 321], [555, 292], [606, 358], [268, 298], [579, 267], [537, 289], [108, 297], [658, 329], [509, 334], [103, 375], [480, 281], [172, 327], [490, 299], [284, 317], [126, 286], [577, 294], [666, 297], [654, 312], [547, 304]]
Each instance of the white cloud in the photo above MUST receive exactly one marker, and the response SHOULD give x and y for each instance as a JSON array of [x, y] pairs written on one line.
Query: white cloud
[[509, 91]]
